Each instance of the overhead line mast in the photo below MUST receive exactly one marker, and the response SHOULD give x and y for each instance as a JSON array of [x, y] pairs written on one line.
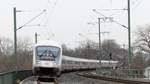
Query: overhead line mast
[[129, 29], [129, 35]]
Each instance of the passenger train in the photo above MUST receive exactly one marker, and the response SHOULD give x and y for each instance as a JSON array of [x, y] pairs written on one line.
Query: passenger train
[[47, 59]]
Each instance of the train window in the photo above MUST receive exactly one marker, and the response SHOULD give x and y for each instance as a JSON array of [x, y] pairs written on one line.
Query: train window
[[47, 52]]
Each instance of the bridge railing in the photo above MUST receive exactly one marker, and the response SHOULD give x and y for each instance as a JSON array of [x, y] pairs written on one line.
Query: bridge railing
[[13, 77], [125, 73]]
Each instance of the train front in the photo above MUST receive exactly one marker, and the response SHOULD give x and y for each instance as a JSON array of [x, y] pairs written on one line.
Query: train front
[[47, 60]]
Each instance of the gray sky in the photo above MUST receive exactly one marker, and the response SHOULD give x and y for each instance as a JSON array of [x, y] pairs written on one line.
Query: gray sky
[[65, 19]]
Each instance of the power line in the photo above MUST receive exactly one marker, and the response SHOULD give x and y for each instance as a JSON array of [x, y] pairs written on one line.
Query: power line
[[134, 2], [113, 9], [35, 10], [49, 14], [116, 11], [32, 19], [99, 12], [112, 20], [138, 3]]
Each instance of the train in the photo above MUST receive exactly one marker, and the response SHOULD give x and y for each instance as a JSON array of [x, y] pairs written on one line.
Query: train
[[47, 59], [49, 62]]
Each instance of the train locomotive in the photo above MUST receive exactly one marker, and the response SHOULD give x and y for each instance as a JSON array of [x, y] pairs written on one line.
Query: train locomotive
[[47, 59]]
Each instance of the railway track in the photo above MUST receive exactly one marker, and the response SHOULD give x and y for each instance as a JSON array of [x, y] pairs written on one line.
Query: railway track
[[106, 78], [38, 80]]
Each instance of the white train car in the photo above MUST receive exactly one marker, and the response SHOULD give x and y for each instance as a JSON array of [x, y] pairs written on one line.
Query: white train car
[[47, 59], [91, 62]]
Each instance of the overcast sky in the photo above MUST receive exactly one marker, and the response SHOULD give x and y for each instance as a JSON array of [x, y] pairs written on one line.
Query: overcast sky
[[65, 19]]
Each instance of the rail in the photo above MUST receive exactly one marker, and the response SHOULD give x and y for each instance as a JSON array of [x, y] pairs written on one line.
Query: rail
[[15, 77], [113, 79], [131, 75], [123, 76], [125, 73]]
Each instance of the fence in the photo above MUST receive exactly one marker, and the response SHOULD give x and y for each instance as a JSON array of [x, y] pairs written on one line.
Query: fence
[[125, 73], [14, 76]]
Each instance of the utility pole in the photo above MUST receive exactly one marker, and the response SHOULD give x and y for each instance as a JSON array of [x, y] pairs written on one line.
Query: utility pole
[[99, 56], [129, 36], [35, 37], [129, 30], [15, 44], [15, 38], [15, 31], [100, 47]]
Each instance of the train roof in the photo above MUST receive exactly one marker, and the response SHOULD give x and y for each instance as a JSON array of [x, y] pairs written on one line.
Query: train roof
[[48, 43]]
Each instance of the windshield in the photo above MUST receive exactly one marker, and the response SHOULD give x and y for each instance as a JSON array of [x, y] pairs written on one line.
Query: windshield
[[47, 52]]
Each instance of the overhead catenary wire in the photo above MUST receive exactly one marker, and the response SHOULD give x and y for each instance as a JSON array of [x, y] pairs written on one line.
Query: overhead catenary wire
[[35, 10], [138, 2], [112, 20], [49, 15], [135, 2], [113, 9], [32, 19], [117, 12], [50, 11]]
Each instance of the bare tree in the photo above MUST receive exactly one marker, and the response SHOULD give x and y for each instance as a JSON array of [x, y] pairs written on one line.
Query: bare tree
[[87, 49], [112, 50], [24, 54], [6, 50], [6, 46], [66, 50], [148, 62], [143, 39], [138, 61]]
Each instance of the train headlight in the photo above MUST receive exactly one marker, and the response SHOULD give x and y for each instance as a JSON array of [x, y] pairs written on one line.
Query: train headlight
[[55, 63]]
